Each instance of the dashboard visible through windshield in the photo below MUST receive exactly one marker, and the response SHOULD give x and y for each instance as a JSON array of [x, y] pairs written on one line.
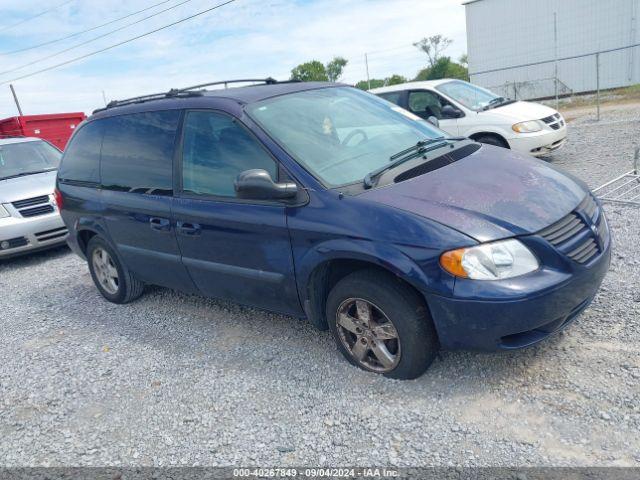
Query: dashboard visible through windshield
[[340, 134]]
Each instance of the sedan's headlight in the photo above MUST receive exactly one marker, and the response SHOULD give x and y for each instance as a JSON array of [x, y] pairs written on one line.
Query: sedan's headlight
[[490, 261], [527, 127], [3, 212]]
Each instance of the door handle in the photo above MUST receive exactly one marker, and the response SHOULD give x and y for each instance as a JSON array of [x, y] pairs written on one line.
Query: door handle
[[187, 228], [161, 224]]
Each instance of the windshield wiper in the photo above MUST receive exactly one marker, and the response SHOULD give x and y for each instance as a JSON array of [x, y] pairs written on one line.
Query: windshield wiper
[[419, 149], [24, 174], [498, 102]]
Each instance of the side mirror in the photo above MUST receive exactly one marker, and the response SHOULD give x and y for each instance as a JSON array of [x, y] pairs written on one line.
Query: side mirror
[[434, 121], [449, 111], [257, 184]]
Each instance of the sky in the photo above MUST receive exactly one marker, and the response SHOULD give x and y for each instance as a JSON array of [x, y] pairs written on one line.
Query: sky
[[244, 39]]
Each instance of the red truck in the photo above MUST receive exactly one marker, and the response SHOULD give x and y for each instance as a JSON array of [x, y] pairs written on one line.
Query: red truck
[[56, 128]]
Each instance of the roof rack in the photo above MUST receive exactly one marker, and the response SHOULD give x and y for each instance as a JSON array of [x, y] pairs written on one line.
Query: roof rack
[[266, 81], [186, 92]]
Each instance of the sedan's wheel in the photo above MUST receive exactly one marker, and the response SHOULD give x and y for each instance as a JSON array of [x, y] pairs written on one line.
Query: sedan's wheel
[[381, 324], [105, 269], [368, 335], [111, 276]]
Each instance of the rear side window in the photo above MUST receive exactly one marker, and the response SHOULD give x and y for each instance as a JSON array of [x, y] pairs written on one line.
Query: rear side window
[[215, 150], [393, 97], [137, 152], [81, 160]]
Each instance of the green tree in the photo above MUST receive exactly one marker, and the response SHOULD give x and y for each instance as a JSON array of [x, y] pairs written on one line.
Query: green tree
[[374, 82], [335, 67], [443, 68], [395, 80], [377, 82], [313, 71], [433, 46]]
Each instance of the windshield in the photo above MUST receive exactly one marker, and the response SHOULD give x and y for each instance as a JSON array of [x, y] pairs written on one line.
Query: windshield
[[340, 133], [27, 158], [471, 96]]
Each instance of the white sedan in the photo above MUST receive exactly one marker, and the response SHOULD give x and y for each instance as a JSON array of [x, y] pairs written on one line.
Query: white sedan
[[463, 109]]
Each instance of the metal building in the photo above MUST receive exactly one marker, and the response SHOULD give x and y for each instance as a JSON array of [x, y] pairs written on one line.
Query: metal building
[[560, 38]]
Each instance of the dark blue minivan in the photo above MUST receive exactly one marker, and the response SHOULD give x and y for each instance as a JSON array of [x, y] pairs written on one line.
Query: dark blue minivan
[[324, 202]]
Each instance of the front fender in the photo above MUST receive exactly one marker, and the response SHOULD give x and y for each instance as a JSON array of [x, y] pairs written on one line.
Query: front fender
[[386, 256]]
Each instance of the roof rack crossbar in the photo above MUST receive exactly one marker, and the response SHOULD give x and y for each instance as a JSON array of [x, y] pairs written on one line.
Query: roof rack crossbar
[[267, 81]]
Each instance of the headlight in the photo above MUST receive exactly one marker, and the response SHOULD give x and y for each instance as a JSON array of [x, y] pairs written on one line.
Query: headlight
[[527, 127], [3, 212], [491, 261]]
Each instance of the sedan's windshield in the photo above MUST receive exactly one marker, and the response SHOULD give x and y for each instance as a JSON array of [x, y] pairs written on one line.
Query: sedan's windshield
[[471, 96], [340, 134], [26, 158]]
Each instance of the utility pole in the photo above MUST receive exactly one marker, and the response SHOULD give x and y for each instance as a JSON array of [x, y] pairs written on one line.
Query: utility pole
[[15, 97], [598, 84], [555, 46], [366, 62]]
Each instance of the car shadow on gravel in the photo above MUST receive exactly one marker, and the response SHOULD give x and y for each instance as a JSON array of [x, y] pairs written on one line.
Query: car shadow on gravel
[[30, 259]]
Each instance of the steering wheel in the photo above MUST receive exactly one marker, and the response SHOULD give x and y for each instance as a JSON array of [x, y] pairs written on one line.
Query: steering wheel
[[352, 134]]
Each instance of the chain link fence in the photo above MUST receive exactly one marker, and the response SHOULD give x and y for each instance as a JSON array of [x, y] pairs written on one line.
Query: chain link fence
[[550, 49]]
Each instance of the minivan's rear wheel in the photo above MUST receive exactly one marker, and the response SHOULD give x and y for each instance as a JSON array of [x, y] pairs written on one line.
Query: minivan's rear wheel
[[111, 277], [381, 325]]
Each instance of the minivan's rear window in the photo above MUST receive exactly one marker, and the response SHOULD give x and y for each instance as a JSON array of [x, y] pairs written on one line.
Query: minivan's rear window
[[137, 152], [81, 160]]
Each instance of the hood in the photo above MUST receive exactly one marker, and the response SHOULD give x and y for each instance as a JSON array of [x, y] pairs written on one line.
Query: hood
[[522, 111], [491, 194], [21, 188]]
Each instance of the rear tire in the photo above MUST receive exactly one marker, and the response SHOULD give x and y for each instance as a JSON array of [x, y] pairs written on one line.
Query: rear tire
[[491, 140], [399, 339], [111, 277]]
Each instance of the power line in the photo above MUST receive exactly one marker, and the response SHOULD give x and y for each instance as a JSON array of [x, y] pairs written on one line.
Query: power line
[[50, 42], [25, 20], [137, 37], [86, 42]]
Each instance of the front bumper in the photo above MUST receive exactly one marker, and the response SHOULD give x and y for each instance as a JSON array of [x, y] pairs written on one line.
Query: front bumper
[[539, 143], [524, 310], [24, 235]]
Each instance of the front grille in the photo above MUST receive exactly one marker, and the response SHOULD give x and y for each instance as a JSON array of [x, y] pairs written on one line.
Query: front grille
[[30, 202], [582, 234], [14, 243], [555, 121], [36, 211], [51, 234], [33, 207]]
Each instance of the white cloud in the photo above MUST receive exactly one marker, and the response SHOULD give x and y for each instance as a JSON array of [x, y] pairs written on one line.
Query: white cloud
[[248, 38]]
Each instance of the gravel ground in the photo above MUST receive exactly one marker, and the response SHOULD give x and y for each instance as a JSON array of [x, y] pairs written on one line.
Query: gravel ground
[[174, 379]]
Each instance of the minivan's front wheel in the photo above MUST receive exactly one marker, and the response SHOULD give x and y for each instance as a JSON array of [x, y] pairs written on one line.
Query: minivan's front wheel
[[112, 279], [381, 325]]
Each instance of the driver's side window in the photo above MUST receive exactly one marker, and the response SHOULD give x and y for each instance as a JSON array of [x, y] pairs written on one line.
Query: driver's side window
[[215, 150], [426, 104]]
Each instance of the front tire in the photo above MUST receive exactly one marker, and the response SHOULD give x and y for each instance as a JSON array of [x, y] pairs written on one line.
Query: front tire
[[491, 140], [111, 277], [382, 325]]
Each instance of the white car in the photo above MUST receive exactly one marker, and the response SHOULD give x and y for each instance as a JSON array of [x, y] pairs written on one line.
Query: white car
[[29, 217], [463, 109]]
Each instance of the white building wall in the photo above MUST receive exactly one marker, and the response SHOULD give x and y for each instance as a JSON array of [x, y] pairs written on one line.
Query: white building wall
[[505, 33]]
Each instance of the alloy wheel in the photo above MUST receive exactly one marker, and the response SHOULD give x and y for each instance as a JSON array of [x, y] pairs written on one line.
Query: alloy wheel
[[105, 270], [368, 335]]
